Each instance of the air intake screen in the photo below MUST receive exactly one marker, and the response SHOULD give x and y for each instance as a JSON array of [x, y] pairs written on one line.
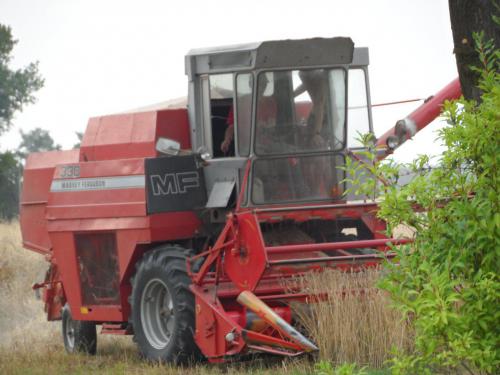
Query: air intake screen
[[98, 265]]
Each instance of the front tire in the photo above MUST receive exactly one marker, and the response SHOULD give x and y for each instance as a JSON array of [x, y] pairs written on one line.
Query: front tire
[[79, 336], [163, 307]]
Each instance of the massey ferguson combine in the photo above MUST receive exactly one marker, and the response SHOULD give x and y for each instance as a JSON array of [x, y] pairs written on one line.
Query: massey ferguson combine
[[181, 224]]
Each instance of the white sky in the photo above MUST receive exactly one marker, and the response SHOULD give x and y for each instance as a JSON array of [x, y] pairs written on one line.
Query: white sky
[[100, 57]]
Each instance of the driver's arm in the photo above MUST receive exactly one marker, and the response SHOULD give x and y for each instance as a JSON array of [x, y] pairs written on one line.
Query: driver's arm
[[229, 133], [299, 90]]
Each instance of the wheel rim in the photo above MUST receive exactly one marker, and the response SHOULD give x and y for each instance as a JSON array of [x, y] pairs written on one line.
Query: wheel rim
[[157, 313], [69, 328]]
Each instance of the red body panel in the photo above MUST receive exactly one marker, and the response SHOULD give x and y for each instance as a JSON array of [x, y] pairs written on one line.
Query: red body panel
[[246, 261], [113, 147], [38, 174], [133, 135]]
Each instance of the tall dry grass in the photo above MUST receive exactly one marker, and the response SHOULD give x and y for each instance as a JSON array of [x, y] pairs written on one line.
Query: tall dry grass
[[354, 322], [22, 320]]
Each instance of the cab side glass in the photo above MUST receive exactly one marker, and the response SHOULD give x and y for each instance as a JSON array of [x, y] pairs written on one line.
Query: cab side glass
[[357, 116], [337, 81], [221, 114], [244, 97]]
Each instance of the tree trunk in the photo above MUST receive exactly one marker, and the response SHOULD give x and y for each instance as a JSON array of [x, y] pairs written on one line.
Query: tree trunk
[[468, 16]]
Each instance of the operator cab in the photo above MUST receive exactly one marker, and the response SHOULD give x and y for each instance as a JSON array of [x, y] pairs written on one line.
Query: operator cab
[[285, 106]]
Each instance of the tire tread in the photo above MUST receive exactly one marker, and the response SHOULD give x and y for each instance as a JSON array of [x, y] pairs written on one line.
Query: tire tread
[[172, 259]]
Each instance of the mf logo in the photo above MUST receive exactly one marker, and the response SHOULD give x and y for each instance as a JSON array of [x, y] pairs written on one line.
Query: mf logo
[[174, 183]]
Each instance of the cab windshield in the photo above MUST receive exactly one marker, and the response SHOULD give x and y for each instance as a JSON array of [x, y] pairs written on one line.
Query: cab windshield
[[300, 111]]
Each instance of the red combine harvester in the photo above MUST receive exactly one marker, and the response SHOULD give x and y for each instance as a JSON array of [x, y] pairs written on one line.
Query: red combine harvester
[[180, 224]]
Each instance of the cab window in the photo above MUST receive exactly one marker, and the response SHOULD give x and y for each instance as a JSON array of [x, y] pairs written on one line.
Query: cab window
[[358, 117], [221, 115], [244, 98]]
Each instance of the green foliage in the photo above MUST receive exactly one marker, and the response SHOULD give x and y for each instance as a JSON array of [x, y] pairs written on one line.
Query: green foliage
[[447, 281], [9, 186], [327, 368], [79, 135], [16, 90], [36, 140], [16, 86]]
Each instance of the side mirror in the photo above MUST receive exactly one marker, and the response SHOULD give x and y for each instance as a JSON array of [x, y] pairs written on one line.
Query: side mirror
[[204, 154], [168, 146]]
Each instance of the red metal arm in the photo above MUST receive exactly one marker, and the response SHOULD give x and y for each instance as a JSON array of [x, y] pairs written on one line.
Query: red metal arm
[[418, 119]]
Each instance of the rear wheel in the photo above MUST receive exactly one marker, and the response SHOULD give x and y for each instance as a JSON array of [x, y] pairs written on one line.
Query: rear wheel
[[79, 336], [163, 307]]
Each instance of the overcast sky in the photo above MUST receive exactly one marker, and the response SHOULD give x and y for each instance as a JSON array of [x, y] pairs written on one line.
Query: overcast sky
[[100, 57]]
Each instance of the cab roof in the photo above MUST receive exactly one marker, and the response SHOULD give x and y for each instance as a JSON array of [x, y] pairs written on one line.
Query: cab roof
[[271, 54]]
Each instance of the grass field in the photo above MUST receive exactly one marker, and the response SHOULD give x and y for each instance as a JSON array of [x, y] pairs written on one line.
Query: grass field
[[353, 329]]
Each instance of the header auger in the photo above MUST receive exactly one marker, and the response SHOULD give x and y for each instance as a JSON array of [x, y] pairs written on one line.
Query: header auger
[[181, 223]]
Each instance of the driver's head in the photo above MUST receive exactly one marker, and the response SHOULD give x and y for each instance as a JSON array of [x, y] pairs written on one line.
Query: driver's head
[[312, 78], [262, 85]]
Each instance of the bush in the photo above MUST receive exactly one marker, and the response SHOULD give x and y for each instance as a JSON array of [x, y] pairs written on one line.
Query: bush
[[447, 281], [10, 172]]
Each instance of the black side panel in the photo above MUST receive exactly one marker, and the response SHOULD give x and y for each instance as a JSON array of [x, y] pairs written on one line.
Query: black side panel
[[174, 183]]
